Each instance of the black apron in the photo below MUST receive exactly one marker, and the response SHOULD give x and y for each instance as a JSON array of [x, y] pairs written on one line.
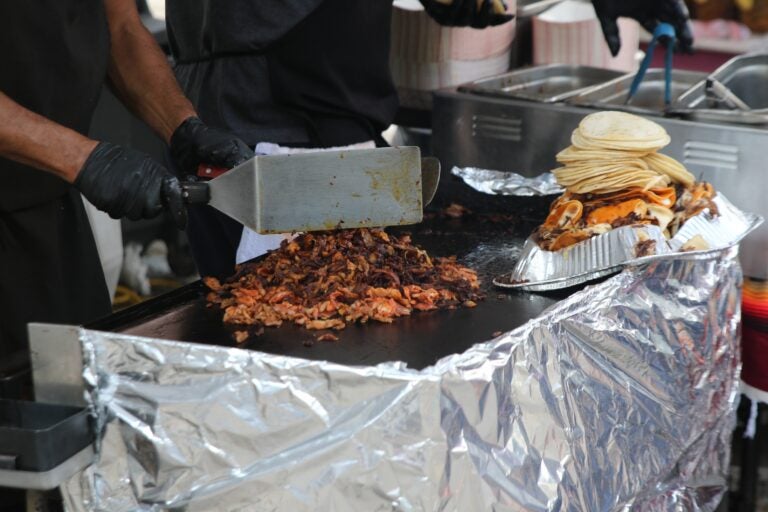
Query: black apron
[[311, 73], [53, 58], [297, 72]]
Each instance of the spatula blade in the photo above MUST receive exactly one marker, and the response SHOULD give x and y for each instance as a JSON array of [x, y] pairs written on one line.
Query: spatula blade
[[323, 190]]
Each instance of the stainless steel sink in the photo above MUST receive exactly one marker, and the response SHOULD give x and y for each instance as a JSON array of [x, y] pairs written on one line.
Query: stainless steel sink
[[649, 98], [745, 76], [547, 84]]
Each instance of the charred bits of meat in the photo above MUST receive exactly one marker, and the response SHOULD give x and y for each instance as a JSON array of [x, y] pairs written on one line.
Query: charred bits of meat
[[327, 279]]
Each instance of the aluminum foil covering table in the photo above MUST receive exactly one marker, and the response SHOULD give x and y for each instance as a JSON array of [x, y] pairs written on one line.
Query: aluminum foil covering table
[[620, 397]]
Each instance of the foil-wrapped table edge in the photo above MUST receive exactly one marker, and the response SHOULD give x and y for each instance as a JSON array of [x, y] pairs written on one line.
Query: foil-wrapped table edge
[[619, 397]]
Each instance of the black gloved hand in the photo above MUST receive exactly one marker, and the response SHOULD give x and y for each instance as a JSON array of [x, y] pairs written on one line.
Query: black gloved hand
[[128, 183], [194, 143], [649, 13], [463, 13]]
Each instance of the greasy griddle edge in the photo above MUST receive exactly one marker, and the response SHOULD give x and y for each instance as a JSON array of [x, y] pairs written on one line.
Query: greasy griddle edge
[[418, 340]]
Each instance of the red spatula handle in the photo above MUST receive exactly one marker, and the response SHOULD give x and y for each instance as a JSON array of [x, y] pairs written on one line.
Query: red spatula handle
[[210, 171]]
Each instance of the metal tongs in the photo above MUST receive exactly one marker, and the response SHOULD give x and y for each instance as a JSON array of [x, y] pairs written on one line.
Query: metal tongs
[[666, 34], [718, 91]]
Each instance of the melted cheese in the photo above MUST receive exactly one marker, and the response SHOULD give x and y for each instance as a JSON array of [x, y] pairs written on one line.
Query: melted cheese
[[610, 213]]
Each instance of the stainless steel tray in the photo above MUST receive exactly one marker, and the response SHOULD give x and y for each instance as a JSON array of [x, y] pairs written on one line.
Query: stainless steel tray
[[548, 84], [746, 76], [649, 98]]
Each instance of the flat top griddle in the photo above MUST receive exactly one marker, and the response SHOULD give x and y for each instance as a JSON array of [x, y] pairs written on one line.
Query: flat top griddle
[[485, 244]]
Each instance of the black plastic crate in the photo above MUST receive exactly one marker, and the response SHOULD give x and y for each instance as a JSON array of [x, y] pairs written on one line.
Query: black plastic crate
[[38, 437]]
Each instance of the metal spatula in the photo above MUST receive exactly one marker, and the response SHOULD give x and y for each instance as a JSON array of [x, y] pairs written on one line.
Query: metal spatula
[[323, 190]]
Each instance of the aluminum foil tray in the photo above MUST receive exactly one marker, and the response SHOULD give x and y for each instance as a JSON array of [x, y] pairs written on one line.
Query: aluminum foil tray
[[539, 270], [548, 84]]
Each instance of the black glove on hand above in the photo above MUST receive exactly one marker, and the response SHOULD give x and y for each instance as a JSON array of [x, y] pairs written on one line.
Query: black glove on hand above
[[649, 13], [463, 13], [128, 183], [194, 143]]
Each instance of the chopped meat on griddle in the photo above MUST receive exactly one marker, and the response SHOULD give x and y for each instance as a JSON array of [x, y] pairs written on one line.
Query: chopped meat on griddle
[[326, 280]]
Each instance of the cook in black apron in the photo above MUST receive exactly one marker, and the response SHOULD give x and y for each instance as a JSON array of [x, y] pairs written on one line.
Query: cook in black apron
[[285, 72], [53, 60]]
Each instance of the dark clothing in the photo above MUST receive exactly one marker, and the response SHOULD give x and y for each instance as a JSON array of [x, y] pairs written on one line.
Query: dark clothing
[[301, 72], [213, 238], [311, 73], [51, 270], [53, 62]]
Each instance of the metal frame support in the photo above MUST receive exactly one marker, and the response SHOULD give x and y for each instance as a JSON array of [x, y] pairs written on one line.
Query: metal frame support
[[57, 364]]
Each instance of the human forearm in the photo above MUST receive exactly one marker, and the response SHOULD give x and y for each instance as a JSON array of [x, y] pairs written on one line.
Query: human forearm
[[140, 74], [33, 140]]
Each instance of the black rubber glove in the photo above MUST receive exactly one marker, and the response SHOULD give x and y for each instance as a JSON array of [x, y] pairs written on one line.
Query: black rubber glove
[[128, 183], [649, 13], [463, 13], [194, 143]]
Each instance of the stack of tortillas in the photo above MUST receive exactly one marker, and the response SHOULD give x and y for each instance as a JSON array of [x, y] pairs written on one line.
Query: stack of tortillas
[[613, 151]]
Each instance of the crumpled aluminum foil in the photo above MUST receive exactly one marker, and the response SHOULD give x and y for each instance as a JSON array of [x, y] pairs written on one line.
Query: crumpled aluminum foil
[[508, 183], [620, 397]]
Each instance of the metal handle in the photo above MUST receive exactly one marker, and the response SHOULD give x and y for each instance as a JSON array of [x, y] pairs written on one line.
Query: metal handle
[[195, 192], [718, 90], [210, 171]]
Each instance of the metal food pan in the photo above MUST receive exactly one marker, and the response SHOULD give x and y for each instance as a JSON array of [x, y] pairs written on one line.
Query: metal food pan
[[548, 84], [649, 98], [745, 76]]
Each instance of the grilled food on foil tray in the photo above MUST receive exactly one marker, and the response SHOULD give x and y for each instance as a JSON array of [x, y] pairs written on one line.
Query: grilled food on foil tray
[[328, 279], [614, 176]]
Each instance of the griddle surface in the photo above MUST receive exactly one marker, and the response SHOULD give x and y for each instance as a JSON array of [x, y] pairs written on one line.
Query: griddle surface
[[418, 340]]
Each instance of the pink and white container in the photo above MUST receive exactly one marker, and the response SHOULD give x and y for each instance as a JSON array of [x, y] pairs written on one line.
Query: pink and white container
[[570, 33]]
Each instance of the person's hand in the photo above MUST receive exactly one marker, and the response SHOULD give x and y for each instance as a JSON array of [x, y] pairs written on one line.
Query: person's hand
[[127, 183], [649, 13], [194, 143], [463, 13]]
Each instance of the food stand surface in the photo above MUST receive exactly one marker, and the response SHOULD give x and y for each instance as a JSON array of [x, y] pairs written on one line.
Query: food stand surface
[[615, 396], [486, 243]]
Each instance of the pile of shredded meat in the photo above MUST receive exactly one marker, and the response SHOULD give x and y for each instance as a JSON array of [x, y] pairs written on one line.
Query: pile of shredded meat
[[328, 279]]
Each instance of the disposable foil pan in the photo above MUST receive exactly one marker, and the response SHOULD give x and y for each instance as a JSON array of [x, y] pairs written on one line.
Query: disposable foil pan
[[602, 255]]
